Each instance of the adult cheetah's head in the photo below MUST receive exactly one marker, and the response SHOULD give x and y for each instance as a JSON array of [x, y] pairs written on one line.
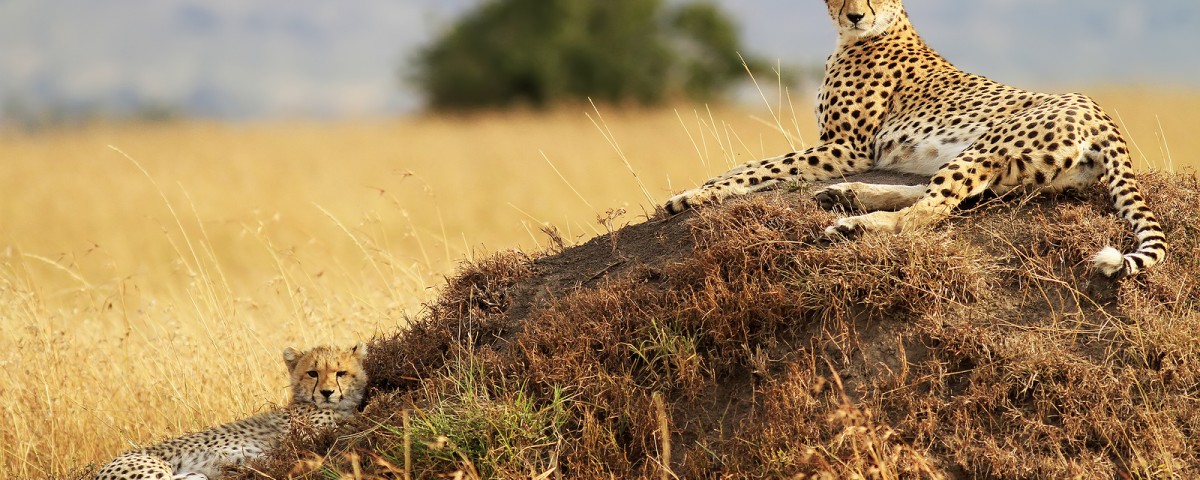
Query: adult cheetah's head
[[327, 377], [857, 19]]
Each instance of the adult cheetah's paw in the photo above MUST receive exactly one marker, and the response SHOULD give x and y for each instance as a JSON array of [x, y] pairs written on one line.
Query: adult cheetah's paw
[[850, 227], [708, 193], [838, 197], [841, 230], [677, 204]]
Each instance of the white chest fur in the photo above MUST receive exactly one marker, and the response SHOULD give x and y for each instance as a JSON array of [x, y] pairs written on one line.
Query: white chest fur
[[923, 155]]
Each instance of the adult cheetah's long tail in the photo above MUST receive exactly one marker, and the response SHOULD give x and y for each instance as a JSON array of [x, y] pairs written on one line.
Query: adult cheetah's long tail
[[1122, 188]]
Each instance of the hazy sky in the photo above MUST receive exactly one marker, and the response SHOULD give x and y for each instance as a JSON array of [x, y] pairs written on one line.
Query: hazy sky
[[263, 58]]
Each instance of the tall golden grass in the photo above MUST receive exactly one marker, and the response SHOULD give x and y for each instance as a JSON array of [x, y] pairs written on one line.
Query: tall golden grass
[[150, 275]]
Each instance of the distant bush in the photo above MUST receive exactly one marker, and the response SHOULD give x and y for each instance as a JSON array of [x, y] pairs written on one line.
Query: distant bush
[[539, 52]]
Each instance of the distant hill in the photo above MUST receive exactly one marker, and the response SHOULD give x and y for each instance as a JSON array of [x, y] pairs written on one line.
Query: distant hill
[[233, 59]]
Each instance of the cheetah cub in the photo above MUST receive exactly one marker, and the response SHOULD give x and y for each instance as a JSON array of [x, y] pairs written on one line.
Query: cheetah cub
[[890, 102], [327, 386]]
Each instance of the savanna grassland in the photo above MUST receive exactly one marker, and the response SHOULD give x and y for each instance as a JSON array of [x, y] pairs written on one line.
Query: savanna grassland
[[151, 274]]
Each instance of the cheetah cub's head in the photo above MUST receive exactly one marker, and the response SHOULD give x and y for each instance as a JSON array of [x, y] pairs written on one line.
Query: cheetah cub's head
[[327, 377], [857, 19]]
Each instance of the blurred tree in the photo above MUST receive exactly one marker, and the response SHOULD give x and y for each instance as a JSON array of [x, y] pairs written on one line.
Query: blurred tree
[[538, 52]]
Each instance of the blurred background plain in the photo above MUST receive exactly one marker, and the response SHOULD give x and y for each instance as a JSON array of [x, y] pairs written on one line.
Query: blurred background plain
[[232, 59]]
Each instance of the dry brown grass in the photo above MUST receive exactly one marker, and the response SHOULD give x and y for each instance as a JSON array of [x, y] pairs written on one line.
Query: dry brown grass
[[139, 305]]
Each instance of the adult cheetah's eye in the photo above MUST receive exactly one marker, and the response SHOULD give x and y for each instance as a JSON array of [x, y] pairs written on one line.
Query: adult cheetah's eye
[[341, 373], [312, 373]]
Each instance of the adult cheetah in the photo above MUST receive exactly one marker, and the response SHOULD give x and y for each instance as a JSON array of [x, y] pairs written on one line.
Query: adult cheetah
[[890, 102], [327, 385]]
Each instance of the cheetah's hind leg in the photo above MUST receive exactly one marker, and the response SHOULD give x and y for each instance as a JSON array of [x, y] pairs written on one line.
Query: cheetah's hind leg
[[868, 197], [137, 465]]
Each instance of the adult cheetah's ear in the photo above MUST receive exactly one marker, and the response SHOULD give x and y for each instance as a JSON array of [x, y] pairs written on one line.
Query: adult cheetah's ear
[[290, 356], [359, 350]]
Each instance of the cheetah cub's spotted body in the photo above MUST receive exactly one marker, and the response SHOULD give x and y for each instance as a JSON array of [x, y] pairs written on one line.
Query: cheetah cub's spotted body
[[327, 386], [890, 102]]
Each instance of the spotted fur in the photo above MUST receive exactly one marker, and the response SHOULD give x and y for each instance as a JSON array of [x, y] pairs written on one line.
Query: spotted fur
[[890, 102], [327, 385]]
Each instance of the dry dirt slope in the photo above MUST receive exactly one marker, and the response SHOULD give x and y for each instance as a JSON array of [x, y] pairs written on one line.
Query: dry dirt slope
[[982, 349]]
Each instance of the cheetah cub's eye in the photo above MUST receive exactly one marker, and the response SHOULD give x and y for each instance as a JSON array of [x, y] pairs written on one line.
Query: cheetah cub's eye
[[341, 373], [312, 373]]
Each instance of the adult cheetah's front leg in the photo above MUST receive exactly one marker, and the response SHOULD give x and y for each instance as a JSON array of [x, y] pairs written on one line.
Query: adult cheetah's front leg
[[822, 162]]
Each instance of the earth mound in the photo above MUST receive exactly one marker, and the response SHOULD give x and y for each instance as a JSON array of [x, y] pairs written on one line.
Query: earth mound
[[735, 342]]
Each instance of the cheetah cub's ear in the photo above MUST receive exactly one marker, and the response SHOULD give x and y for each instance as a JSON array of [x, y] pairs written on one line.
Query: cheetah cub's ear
[[290, 357], [359, 350]]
